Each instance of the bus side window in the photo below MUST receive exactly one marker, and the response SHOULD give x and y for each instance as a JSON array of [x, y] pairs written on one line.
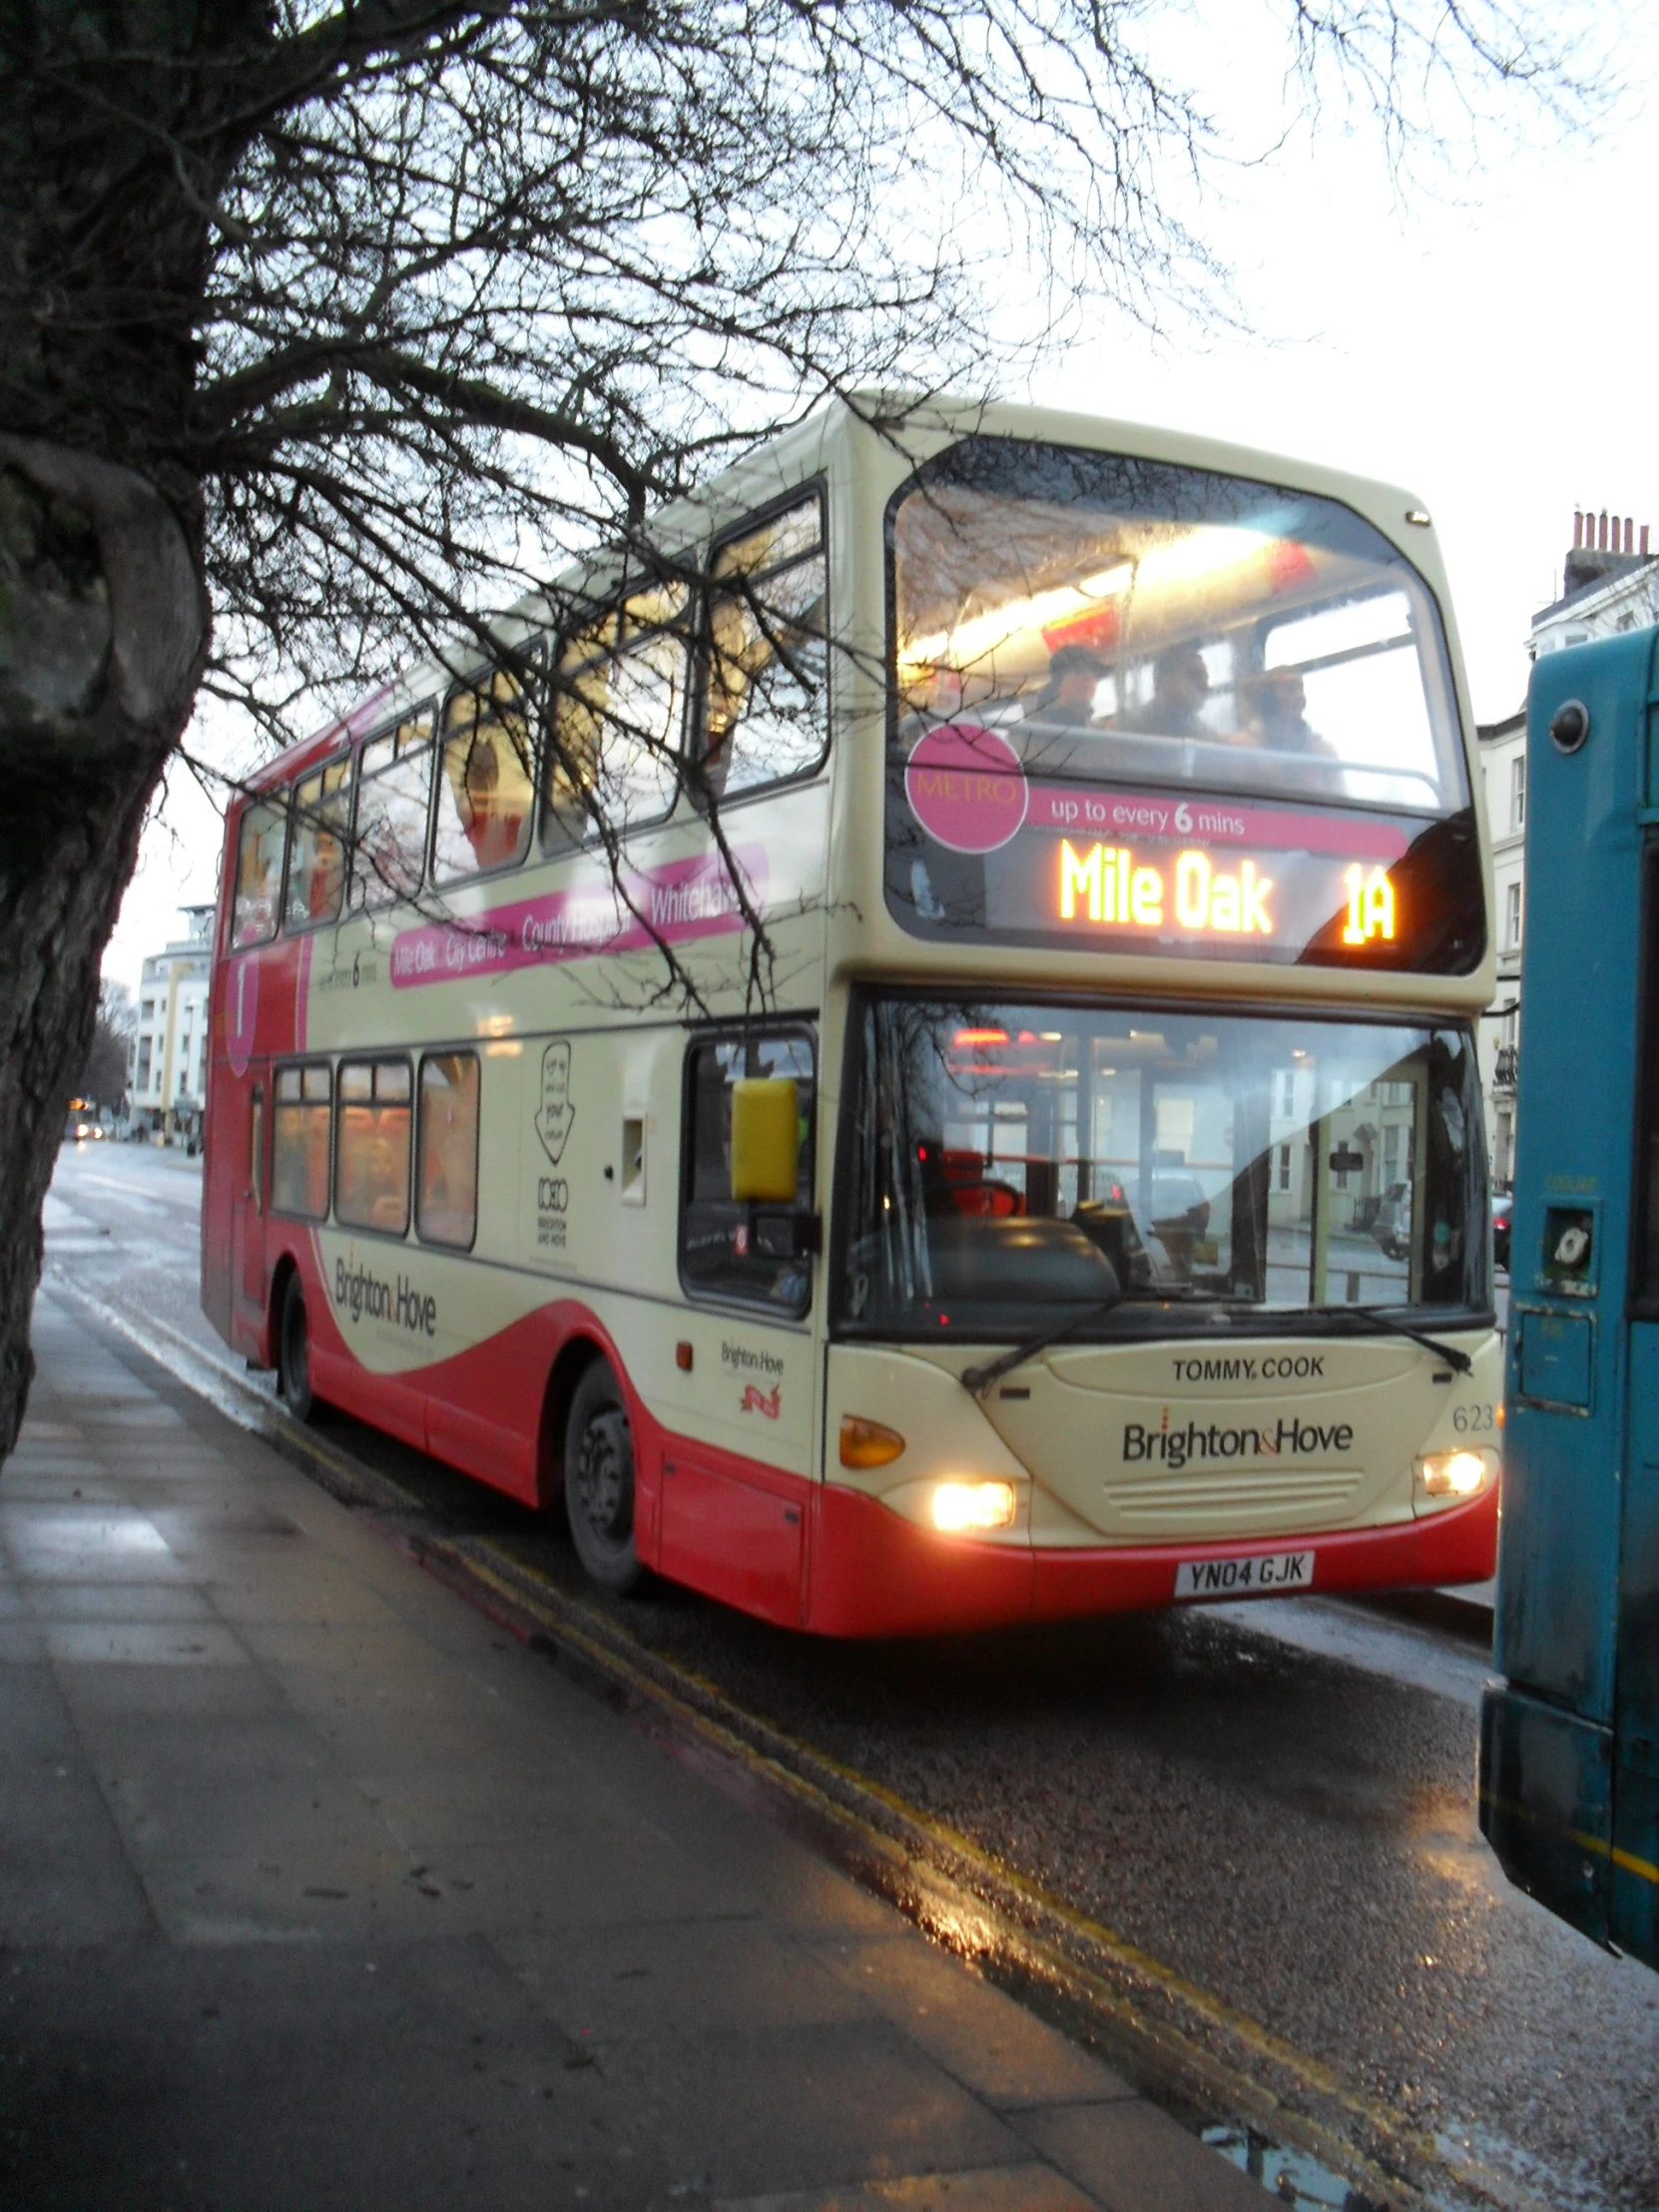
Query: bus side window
[[301, 1122], [371, 1146], [317, 845], [258, 873], [737, 1248], [487, 787], [765, 716], [446, 1179], [388, 843], [616, 719]]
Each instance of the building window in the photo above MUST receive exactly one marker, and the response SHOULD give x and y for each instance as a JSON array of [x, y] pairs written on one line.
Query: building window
[[1518, 791], [301, 1118], [143, 1080], [1283, 1167], [446, 1206], [1512, 917], [372, 1168]]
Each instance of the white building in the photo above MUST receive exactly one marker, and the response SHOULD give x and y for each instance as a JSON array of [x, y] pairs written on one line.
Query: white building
[[1609, 583], [1504, 766], [167, 1069]]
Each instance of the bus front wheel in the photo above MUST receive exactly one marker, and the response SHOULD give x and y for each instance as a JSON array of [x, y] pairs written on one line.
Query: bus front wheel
[[293, 1355], [599, 1480]]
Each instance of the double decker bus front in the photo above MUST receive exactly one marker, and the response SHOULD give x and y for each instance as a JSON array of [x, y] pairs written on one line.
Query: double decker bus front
[[1160, 1266]]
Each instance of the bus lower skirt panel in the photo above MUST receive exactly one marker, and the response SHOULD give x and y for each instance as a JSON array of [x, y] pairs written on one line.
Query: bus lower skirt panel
[[1547, 1804]]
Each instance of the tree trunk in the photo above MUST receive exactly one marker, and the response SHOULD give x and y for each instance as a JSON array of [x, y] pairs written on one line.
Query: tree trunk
[[103, 628]]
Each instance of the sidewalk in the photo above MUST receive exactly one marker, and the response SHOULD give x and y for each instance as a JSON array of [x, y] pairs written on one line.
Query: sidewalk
[[317, 1890]]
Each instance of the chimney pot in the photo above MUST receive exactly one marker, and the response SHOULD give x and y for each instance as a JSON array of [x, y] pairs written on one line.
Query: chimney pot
[[1629, 535], [1644, 541], [1601, 532], [1577, 528]]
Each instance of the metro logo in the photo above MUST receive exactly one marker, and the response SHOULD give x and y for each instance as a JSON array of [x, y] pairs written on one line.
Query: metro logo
[[1106, 884]]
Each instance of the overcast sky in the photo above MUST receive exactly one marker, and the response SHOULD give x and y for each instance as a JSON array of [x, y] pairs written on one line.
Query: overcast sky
[[1486, 343]]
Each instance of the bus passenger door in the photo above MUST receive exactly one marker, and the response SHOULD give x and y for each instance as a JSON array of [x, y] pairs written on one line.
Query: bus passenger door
[[737, 1464], [243, 1153], [221, 1154]]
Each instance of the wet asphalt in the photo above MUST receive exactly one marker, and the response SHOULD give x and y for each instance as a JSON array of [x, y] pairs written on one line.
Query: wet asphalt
[[1274, 1804]]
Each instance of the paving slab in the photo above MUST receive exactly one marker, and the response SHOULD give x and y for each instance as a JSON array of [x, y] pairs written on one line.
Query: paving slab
[[317, 1889]]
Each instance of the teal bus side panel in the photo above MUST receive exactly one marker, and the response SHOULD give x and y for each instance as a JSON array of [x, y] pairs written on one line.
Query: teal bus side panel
[[1562, 1448], [1547, 1804], [1634, 1922]]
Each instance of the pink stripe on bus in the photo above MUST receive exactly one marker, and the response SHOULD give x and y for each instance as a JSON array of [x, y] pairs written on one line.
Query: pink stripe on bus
[[674, 904]]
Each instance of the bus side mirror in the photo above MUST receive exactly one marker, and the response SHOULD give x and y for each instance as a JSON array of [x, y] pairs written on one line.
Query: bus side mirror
[[765, 1140]]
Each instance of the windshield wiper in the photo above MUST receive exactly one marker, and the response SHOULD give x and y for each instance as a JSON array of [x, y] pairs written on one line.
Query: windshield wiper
[[977, 1380], [1386, 1319]]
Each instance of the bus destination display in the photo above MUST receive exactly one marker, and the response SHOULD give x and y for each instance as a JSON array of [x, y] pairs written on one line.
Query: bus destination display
[[977, 844]]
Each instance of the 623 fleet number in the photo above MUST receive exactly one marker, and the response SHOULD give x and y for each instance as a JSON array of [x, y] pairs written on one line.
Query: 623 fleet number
[[1474, 1420]]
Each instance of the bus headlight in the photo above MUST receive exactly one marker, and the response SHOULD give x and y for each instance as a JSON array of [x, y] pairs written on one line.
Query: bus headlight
[[961, 1506], [1447, 1478]]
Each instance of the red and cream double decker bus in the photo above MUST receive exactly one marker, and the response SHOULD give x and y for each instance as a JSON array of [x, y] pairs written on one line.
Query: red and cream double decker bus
[[1072, 1196]]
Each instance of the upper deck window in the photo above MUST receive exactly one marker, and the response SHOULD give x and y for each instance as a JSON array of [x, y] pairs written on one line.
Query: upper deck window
[[393, 796], [316, 845], [1116, 617], [616, 718], [767, 712], [487, 787], [1181, 710], [258, 871]]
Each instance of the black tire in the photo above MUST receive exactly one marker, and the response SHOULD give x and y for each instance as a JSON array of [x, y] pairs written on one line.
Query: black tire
[[294, 1356], [599, 1480]]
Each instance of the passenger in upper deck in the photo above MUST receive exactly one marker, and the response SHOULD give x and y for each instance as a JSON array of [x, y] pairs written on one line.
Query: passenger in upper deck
[[1180, 687], [1066, 700], [493, 826], [1278, 718], [325, 879]]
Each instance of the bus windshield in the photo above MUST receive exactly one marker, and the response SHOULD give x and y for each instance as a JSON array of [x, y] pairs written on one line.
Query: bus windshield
[[1011, 1163], [1117, 617]]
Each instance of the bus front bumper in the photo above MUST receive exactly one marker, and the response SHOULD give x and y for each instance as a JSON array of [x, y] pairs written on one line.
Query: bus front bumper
[[874, 1573]]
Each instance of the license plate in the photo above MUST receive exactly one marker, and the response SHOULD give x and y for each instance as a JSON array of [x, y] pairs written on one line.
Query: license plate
[[1266, 1570]]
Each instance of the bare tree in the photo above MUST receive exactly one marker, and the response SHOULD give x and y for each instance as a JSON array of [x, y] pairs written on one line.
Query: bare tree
[[327, 325], [103, 1070]]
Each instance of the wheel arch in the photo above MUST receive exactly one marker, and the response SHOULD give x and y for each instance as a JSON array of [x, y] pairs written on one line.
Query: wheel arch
[[281, 1275], [573, 1360]]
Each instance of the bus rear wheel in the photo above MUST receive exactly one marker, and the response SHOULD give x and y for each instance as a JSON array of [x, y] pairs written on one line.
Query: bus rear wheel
[[599, 1480], [293, 1355]]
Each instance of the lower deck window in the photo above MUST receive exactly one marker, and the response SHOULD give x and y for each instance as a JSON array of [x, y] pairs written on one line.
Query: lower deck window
[[301, 1125], [447, 1209], [371, 1169]]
